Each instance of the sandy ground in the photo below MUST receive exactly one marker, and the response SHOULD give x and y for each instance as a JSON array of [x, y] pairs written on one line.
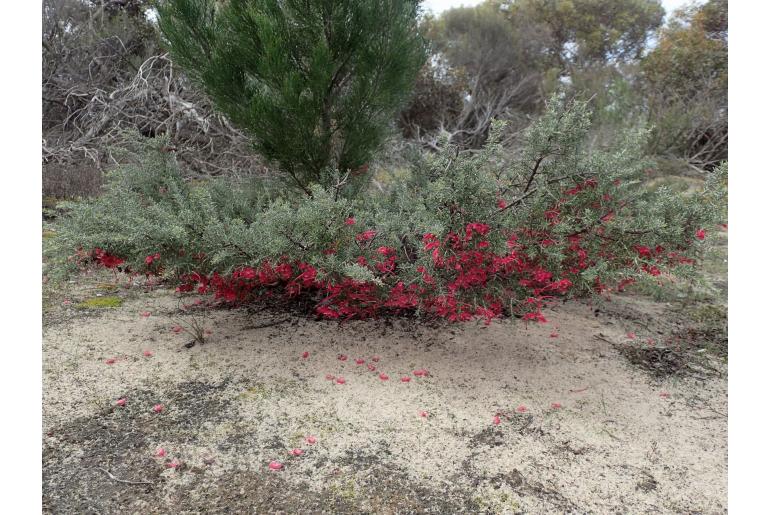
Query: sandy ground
[[623, 441]]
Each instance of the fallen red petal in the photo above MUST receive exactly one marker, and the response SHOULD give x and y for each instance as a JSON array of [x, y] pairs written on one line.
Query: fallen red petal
[[342, 357], [145, 313], [110, 361], [384, 376], [522, 409], [121, 402], [496, 420], [148, 353], [177, 329], [424, 414], [311, 440], [157, 408], [555, 405], [275, 465], [371, 367], [305, 355], [375, 358], [406, 379], [160, 452], [296, 452], [665, 395], [330, 377], [360, 361], [340, 380]]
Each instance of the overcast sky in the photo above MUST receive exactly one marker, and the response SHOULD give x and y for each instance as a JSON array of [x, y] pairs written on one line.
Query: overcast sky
[[441, 5]]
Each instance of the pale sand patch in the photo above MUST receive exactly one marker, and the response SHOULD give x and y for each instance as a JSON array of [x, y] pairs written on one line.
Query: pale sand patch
[[615, 445]]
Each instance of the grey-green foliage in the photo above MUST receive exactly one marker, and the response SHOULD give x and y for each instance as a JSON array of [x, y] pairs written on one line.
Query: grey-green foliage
[[220, 225], [316, 83]]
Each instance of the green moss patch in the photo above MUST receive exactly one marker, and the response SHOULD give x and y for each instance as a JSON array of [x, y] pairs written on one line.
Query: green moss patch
[[101, 302]]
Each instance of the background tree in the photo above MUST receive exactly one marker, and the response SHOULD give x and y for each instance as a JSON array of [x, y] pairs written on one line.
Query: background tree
[[685, 81], [589, 31], [315, 83]]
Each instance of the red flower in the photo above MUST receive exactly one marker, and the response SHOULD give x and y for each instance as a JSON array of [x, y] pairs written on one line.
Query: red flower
[[384, 376], [121, 402], [158, 408], [111, 361], [152, 257], [160, 452], [701, 234], [375, 358], [365, 236], [555, 405], [360, 361], [371, 367], [501, 204], [296, 452], [521, 409], [340, 380], [275, 465], [350, 221], [406, 379], [496, 420], [311, 440], [342, 357], [424, 414], [148, 353], [305, 355]]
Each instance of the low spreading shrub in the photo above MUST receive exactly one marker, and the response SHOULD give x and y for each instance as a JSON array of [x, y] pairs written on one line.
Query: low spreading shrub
[[467, 235]]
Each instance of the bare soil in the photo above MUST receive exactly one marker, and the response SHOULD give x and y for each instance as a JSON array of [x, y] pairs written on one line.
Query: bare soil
[[630, 436]]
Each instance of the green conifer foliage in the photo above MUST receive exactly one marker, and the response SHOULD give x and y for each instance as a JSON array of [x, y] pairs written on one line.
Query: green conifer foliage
[[315, 82]]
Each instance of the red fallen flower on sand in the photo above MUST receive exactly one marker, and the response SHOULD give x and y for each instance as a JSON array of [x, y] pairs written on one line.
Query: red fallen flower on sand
[[152, 257], [148, 353], [665, 395], [177, 329], [145, 314], [160, 452], [311, 440], [501, 204], [554, 335], [496, 420], [296, 452], [121, 402], [360, 361], [330, 377], [110, 361], [375, 358], [406, 379], [631, 335], [555, 405], [350, 221], [521, 409], [173, 464], [342, 357], [371, 367], [157, 408], [340, 380], [384, 376], [275, 465], [420, 372], [305, 355], [424, 414], [701, 234]]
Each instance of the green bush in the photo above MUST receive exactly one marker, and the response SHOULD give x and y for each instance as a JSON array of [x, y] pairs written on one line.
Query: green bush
[[464, 235]]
